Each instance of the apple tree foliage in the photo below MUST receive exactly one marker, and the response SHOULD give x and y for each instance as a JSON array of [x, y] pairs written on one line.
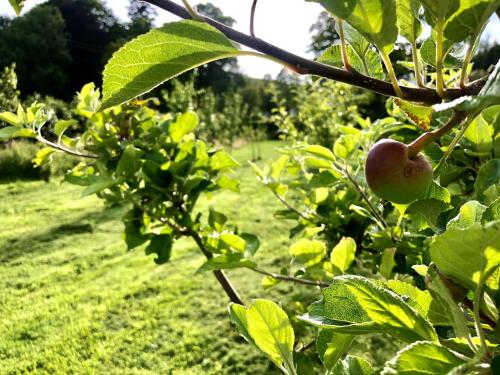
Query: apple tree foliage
[[425, 272]]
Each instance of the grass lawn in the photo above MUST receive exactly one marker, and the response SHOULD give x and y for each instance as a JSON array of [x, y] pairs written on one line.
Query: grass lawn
[[73, 300]]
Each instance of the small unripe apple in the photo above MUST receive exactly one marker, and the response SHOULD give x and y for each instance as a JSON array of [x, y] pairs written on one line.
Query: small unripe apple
[[393, 174]]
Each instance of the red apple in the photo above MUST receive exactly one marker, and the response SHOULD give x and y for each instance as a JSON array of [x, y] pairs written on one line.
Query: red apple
[[395, 176]]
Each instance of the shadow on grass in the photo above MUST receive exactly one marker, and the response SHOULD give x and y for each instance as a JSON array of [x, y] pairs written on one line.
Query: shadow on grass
[[39, 242]]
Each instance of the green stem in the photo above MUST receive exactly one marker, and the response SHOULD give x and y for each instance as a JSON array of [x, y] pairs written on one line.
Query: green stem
[[392, 74], [477, 315], [439, 58], [427, 138], [468, 57], [191, 10], [343, 48], [288, 362], [416, 64], [454, 142]]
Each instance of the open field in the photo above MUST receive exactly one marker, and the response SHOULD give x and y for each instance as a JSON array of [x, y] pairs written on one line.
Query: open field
[[72, 300]]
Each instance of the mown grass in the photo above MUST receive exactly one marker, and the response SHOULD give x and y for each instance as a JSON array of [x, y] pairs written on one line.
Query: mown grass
[[73, 300]]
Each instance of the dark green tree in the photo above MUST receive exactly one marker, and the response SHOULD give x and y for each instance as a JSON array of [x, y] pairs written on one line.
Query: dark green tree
[[141, 17], [220, 75], [38, 44], [91, 28], [324, 34]]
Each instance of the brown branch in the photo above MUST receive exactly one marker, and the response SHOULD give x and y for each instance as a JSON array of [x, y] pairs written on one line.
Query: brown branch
[[230, 290], [221, 277], [305, 66]]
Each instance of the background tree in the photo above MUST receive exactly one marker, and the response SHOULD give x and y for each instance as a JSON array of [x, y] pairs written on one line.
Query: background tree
[[90, 27], [38, 44], [220, 75], [324, 34], [141, 16]]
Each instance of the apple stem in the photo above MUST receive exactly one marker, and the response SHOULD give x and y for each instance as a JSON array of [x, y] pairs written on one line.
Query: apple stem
[[427, 138]]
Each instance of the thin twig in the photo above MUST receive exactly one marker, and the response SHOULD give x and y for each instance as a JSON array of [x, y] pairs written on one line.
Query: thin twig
[[306, 66], [297, 280], [221, 277], [374, 211], [226, 284], [66, 150], [291, 208], [303, 348], [252, 18], [59, 147]]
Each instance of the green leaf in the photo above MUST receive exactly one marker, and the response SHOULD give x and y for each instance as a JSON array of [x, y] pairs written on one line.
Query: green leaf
[[443, 294], [270, 328], [216, 219], [99, 184], [343, 255], [374, 19], [61, 126], [233, 241], [429, 209], [419, 300], [11, 119], [371, 66], [357, 41], [159, 55], [226, 261], [480, 134], [278, 166], [418, 114], [252, 243], [356, 305], [308, 252], [17, 5], [345, 145], [238, 316], [469, 20], [129, 162], [470, 213], [161, 245], [331, 346], [387, 263], [10, 132], [134, 225], [353, 365], [319, 151], [492, 213], [221, 160], [184, 124], [228, 183], [489, 174], [422, 358], [467, 255], [428, 54], [43, 156], [409, 23]]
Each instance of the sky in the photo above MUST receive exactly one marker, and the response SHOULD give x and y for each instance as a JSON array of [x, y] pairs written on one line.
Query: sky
[[287, 27]]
